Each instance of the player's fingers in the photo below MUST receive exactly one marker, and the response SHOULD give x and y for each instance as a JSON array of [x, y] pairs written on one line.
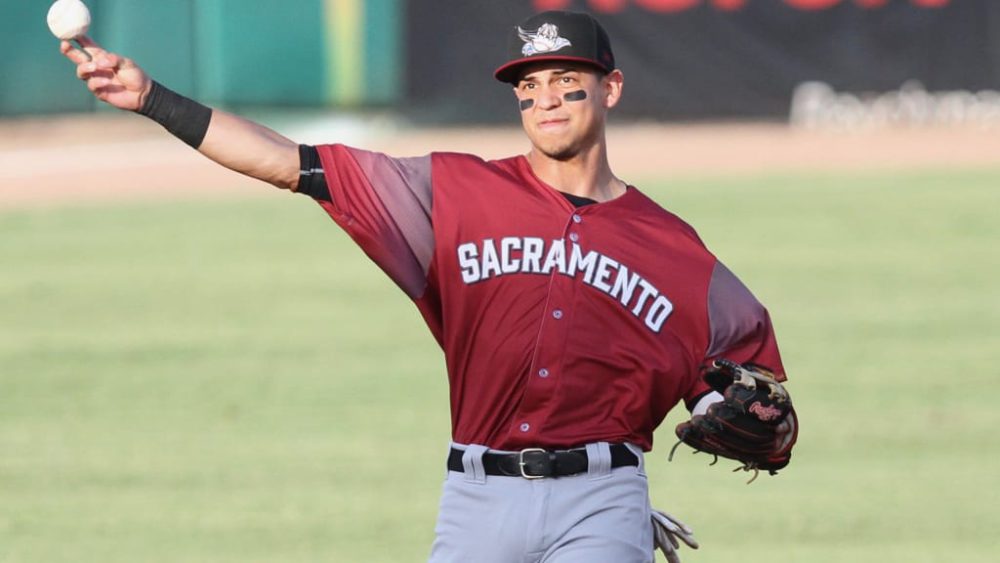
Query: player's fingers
[[85, 69], [72, 53], [104, 92], [98, 82], [87, 43], [109, 61], [89, 70], [91, 46]]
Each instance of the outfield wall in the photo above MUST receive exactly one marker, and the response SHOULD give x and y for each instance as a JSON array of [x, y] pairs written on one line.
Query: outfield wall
[[710, 59], [866, 61], [231, 52]]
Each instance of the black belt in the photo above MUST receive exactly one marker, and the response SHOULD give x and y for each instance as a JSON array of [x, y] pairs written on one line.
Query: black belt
[[535, 463]]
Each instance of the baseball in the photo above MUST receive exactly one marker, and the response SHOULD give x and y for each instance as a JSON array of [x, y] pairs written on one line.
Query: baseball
[[68, 19]]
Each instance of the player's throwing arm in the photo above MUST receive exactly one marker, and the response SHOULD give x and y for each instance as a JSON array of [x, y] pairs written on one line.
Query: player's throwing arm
[[234, 142]]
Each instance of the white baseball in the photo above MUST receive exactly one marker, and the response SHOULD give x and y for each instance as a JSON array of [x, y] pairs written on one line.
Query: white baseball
[[69, 19]]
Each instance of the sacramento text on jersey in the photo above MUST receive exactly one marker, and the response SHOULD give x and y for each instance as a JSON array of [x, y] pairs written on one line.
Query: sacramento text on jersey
[[482, 261]]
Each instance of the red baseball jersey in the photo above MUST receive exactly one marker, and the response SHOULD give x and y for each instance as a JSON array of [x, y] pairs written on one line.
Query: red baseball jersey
[[561, 325]]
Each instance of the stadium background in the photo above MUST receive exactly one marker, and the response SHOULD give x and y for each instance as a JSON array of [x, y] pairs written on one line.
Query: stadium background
[[195, 367]]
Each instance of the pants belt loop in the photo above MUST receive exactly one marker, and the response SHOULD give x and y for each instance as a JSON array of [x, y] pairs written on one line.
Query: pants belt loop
[[599, 461], [472, 461]]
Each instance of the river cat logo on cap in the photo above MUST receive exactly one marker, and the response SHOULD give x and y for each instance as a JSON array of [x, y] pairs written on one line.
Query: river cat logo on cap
[[545, 39], [556, 35]]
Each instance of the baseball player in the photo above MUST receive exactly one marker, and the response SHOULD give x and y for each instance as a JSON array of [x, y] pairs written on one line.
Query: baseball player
[[573, 311]]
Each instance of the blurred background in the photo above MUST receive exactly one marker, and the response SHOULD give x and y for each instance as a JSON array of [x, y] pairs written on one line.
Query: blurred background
[[197, 367], [685, 59]]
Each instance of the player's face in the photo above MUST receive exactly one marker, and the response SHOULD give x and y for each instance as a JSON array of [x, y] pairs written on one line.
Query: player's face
[[564, 106]]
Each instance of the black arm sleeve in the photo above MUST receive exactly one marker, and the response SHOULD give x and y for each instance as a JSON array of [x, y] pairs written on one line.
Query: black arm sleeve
[[185, 118], [312, 181]]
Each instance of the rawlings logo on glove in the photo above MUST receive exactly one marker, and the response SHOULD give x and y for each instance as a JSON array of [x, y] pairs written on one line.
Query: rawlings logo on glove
[[754, 423], [765, 413]]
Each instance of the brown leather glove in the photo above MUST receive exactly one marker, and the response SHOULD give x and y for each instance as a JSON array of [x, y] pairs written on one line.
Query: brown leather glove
[[754, 423]]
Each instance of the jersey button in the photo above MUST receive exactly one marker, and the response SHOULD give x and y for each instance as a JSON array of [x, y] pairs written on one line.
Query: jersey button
[[557, 314], [577, 218], [543, 372], [525, 427], [574, 237]]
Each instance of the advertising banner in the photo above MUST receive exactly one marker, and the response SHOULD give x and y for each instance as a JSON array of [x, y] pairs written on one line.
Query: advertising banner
[[728, 59]]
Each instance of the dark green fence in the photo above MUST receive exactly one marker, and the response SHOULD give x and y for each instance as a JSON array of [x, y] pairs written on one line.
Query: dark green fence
[[226, 52]]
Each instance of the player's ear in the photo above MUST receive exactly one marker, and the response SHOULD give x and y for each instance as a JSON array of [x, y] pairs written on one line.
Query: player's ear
[[613, 83]]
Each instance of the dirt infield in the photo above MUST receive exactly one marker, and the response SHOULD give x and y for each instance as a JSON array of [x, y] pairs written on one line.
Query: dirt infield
[[80, 159]]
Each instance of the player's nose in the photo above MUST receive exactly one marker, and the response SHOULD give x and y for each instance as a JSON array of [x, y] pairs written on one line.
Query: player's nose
[[548, 98]]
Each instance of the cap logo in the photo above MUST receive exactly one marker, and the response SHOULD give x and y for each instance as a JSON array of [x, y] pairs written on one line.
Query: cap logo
[[543, 40]]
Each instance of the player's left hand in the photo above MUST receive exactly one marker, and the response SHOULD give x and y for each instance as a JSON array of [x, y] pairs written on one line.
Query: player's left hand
[[754, 423], [666, 531]]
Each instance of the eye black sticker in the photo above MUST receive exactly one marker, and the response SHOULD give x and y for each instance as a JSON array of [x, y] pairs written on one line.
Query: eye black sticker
[[575, 96], [526, 104]]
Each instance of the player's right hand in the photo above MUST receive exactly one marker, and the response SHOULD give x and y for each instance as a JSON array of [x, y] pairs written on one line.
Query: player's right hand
[[113, 79]]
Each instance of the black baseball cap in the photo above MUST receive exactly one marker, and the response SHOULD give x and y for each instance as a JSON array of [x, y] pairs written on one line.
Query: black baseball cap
[[556, 36]]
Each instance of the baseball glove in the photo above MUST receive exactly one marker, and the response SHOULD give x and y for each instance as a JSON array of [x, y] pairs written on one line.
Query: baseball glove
[[754, 423]]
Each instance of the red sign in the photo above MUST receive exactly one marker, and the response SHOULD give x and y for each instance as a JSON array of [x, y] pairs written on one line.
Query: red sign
[[670, 6]]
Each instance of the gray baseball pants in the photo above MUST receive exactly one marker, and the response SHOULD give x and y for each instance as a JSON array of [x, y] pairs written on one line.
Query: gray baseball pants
[[601, 516]]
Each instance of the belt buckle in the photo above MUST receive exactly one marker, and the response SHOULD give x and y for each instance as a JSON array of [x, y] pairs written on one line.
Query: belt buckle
[[521, 463]]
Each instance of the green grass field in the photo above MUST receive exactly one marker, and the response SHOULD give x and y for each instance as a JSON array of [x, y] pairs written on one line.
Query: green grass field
[[216, 381]]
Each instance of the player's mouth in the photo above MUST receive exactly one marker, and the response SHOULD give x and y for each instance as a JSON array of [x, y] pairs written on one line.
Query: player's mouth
[[550, 124]]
